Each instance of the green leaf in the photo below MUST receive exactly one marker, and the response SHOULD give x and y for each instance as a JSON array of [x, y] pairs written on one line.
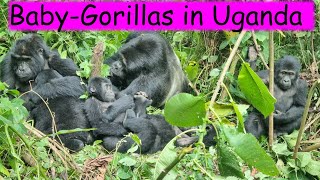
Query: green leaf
[[167, 156], [226, 109], [185, 110], [105, 70], [214, 72], [4, 170], [281, 149], [239, 116], [247, 148], [313, 168], [262, 35], [212, 59], [304, 158], [127, 161], [192, 70], [135, 138], [64, 54], [178, 36], [123, 174], [255, 90], [227, 161], [224, 44]]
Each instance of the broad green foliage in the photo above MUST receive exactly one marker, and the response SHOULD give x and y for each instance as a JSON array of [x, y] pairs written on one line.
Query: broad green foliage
[[192, 70], [226, 109], [185, 110], [167, 156], [248, 149], [13, 113], [227, 161], [255, 90]]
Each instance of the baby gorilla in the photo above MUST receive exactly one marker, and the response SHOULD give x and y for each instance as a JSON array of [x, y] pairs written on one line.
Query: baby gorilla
[[114, 118], [153, 130], [291, 95], [103, 111]]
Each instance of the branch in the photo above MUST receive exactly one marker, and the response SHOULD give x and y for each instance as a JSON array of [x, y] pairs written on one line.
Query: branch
[[258, 49], [271, 84], [304, 118], [225, 69]]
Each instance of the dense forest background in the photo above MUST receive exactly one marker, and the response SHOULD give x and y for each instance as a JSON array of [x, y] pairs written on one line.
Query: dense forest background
[[24, 154]]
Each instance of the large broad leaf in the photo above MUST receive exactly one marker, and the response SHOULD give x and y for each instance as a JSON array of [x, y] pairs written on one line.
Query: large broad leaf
[[247, 148], [167, 156], [185, 110], [227, 161], [255, 90], [226, 109]]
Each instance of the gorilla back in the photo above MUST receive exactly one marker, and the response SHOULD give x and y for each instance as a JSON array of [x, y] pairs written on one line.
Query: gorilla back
[[147, 63], [68, 114]]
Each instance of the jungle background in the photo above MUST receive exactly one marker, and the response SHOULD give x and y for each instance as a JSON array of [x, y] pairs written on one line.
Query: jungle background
[[26, 154]]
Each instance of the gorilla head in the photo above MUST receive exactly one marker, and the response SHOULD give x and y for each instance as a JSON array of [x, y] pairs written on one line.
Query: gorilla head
[[101, 88], [286, 72], [28, 57]]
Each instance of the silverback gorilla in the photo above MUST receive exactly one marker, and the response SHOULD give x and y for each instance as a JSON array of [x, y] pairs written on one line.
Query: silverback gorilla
[[291, 94], [147, 63], [30, 57]]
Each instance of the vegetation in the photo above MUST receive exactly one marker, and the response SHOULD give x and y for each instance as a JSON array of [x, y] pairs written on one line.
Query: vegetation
[[26, 153]]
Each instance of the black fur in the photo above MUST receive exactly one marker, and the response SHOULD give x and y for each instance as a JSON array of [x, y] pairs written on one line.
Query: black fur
[[147, 63], [115, 118], [53, 78], [68, 114], [291, 95]]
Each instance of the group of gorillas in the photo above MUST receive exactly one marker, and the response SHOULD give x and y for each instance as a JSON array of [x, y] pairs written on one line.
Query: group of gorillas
[[144, 71]]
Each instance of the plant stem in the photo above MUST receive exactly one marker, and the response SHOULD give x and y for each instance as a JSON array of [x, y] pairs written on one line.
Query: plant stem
[[271, 84], [225, 69], [304, 118]]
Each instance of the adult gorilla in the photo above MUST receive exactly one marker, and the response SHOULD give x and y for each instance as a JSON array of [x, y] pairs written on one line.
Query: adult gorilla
[[147, 63], [27, 58], [291, 95], [31, 59]]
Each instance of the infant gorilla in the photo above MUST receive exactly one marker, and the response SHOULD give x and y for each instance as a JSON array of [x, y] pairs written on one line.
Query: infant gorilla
[[115, 118]]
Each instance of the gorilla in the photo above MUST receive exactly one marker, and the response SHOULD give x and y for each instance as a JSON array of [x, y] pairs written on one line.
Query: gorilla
[[104, 111], [291, 95], [115, 118], [53, 78], [68, 114], [147, 63], [27, 58]]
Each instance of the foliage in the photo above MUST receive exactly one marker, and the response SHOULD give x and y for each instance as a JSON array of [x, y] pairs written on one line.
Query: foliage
[[254, 89], [185, 110], [202, 55]]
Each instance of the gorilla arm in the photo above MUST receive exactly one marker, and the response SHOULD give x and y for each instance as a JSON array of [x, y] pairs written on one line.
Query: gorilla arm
[[296, 111], [6, 73], [69, 86], [118, 107], [94, 116], [65, 67]]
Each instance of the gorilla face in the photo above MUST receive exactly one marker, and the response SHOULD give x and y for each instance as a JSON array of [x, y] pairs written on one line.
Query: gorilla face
[[286, 79], [117, 69], [286, 72], [101, 89], [28, 61]]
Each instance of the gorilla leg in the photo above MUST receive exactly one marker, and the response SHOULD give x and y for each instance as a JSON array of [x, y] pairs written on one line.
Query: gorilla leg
[[254, 124], [145, 131]]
